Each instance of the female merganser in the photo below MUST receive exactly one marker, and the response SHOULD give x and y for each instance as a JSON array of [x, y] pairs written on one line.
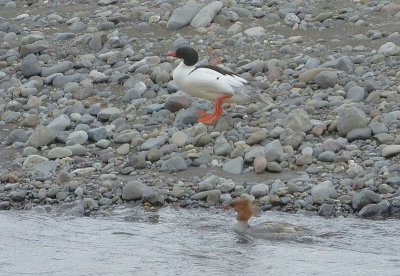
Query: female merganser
[[211, 83], [267, 230]]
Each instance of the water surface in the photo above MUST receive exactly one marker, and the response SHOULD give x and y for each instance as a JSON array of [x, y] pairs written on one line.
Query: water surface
[[132, 241]]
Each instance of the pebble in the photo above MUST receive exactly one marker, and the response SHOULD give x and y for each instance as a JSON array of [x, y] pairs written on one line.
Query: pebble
[[182, 16], [234, 166], [364, 198], [30, 66], [204, 17], [326, 79], [133, 190], [102, 105]]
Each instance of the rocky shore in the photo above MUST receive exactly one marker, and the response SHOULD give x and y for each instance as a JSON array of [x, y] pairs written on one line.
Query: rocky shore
[[90, 117]]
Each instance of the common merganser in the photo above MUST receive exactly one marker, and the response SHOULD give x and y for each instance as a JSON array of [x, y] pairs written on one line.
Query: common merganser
[[267, 230], [211, 83]]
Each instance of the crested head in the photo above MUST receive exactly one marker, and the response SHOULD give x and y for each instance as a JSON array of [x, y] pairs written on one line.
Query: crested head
[[244, 208]]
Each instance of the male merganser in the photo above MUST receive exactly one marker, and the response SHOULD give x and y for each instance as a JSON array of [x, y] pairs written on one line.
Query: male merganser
[[211, 83], [267, 230]]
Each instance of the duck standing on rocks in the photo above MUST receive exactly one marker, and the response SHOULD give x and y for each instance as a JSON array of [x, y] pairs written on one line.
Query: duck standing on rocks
[[267, 230], [211, 83]]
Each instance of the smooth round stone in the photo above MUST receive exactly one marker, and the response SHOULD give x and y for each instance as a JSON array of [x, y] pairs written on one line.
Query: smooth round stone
[[307, 150], [377, 127], [150, 195], [326, 79], [63, 36], [59, 152], [125, 137], [234, 166], [176, 163], [363, 198], [260, 163], [259, 190], [222, 148], [227, 185], [385, 189], [60, 123], [256, 137], [356, 93], [103, 143], [274, 167], [133, 190], [75, 116], [395, 180], [30, 66], [304, 159], [298, 121], [291, 19], [123, 149], [179, 138], [323, 190], [351, 118], [359, 134], [204, 17], [385, 138], [41, 137], [77, 137], [154, 154], [326, 156]]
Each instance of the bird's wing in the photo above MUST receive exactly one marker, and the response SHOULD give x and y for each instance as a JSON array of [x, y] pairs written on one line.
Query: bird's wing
[[216, 78]]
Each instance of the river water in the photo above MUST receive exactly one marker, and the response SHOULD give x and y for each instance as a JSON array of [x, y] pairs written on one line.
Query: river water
[[132, 241]]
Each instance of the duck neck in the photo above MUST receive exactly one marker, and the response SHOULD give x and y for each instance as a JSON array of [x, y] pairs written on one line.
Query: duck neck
[[241, 226]]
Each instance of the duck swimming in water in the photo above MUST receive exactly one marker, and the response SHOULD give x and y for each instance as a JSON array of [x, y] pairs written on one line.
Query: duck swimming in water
[[268, 230], [211, 83]]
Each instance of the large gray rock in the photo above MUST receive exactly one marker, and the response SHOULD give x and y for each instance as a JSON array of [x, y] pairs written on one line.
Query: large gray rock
[[375, 210], [153, 142], [364, 198], [298, 121], [60, 123], [377, 127], [77, 137], [33, 48], [359, 134], [182, 16], [273, 151], [41, 137], [390, 150], [326, 79], [259, 190], [323, 190], [234, 166], [97, 134], [351, 118], [176, 163], [30, 66], [389, 49], [356, 93], [133, 190], [17, 135], [204, 17], [57, 68]]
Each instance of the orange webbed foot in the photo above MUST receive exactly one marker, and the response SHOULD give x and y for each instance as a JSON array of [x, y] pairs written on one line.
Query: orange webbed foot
[[207, 118]]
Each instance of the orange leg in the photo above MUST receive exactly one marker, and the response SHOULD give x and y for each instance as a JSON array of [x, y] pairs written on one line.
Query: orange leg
[[209, 119]]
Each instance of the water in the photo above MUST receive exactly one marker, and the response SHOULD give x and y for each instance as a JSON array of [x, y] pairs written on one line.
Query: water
[[132, 241]]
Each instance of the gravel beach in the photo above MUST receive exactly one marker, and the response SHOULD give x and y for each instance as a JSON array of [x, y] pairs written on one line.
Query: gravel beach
[[90, 117]]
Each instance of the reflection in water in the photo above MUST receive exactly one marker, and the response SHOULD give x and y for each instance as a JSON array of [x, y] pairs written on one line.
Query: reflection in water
[[132, 241]]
